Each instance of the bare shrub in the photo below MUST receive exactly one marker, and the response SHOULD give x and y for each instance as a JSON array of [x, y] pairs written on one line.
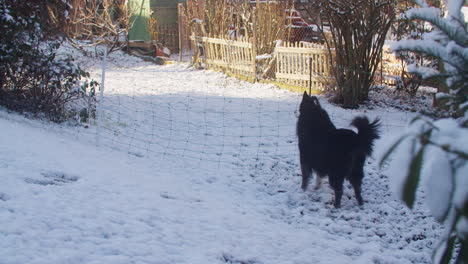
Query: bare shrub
[[354, 32], [91, 23], [263, 22]]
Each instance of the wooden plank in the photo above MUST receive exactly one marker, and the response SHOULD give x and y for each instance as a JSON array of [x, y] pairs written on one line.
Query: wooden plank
[[237, 59], [294, 76], [301, 50], [221, 63], [226, 53], [223, 41], [141, 44], [316, 60]]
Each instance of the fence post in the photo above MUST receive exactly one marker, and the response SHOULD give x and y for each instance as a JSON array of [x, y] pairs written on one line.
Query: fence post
[[254, 44], [100, 110], [310, 74], [381, 67], [180, 21]]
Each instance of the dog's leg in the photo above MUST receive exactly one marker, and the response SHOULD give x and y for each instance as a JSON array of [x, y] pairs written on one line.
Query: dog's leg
[[318, 181], [357, 174], [306, 171], [357, 192], [356, 182], [338, 194], [336, 182]]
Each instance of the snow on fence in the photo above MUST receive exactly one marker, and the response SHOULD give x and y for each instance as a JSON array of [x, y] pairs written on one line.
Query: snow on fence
[[303, 64], [234, 56]]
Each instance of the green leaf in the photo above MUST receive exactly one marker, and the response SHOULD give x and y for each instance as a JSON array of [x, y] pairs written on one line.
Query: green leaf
[[391, 150], [412, 180]]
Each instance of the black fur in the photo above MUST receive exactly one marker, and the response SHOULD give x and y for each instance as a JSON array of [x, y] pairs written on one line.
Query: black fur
[[338, 153]]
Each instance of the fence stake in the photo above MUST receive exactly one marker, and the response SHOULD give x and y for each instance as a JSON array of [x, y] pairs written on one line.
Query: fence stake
[[100, 109], [254, 43], [180, 21], [310, 74]]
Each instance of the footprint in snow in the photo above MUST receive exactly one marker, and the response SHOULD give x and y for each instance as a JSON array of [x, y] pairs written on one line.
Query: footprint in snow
[[53, 178], [4, 197], [232, 260]]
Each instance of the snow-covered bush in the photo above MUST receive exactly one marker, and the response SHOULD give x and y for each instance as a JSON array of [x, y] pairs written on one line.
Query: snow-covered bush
[[435, 154], [447, 42], [32, 78], [403, 28]]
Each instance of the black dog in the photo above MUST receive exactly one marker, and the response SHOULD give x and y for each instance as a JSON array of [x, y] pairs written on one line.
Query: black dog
[[338, 153]]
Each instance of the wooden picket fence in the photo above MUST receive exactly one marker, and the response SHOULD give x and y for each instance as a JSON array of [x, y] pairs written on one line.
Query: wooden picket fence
[[301, 64], [305, 65], [222, 53], [389, 68]]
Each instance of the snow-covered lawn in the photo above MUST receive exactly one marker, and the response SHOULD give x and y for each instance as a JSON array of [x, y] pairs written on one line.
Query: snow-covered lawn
[[192, 167]]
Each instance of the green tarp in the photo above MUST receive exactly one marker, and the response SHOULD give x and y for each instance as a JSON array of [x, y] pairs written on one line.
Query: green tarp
[[165, 11], [140, 30]]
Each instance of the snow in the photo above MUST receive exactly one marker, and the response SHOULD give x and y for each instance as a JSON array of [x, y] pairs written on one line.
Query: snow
[[399, 162], [193, 167], [460, 195], [449, 133], [454, 9], [263, 56], [464, 11], [464, 105], [426, 12], [462, 226], [197, 20], [439, 183], [8, 17]]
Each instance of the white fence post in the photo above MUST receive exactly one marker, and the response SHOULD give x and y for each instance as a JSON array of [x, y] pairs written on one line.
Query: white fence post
[[100, 110]]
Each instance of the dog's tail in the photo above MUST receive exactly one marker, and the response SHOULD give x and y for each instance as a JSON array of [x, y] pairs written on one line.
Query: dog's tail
[[368, 133]]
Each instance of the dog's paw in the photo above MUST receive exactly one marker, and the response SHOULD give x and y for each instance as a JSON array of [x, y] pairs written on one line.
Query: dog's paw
[[337, 204]]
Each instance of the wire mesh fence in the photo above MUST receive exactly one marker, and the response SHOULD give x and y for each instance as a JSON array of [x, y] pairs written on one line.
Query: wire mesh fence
[[204, 116]]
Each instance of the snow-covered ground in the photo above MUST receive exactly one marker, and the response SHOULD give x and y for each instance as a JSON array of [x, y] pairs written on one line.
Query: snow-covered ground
[[192, 167]]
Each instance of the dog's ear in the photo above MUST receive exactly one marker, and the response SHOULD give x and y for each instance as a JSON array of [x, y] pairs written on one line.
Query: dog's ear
[[315, 100], [305, 102]]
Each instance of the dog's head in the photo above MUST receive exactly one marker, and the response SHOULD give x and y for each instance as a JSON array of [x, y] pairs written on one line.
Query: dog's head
[[309, 103]]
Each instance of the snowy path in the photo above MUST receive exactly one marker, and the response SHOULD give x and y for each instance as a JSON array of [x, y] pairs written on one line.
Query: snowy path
[[227, 195]]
